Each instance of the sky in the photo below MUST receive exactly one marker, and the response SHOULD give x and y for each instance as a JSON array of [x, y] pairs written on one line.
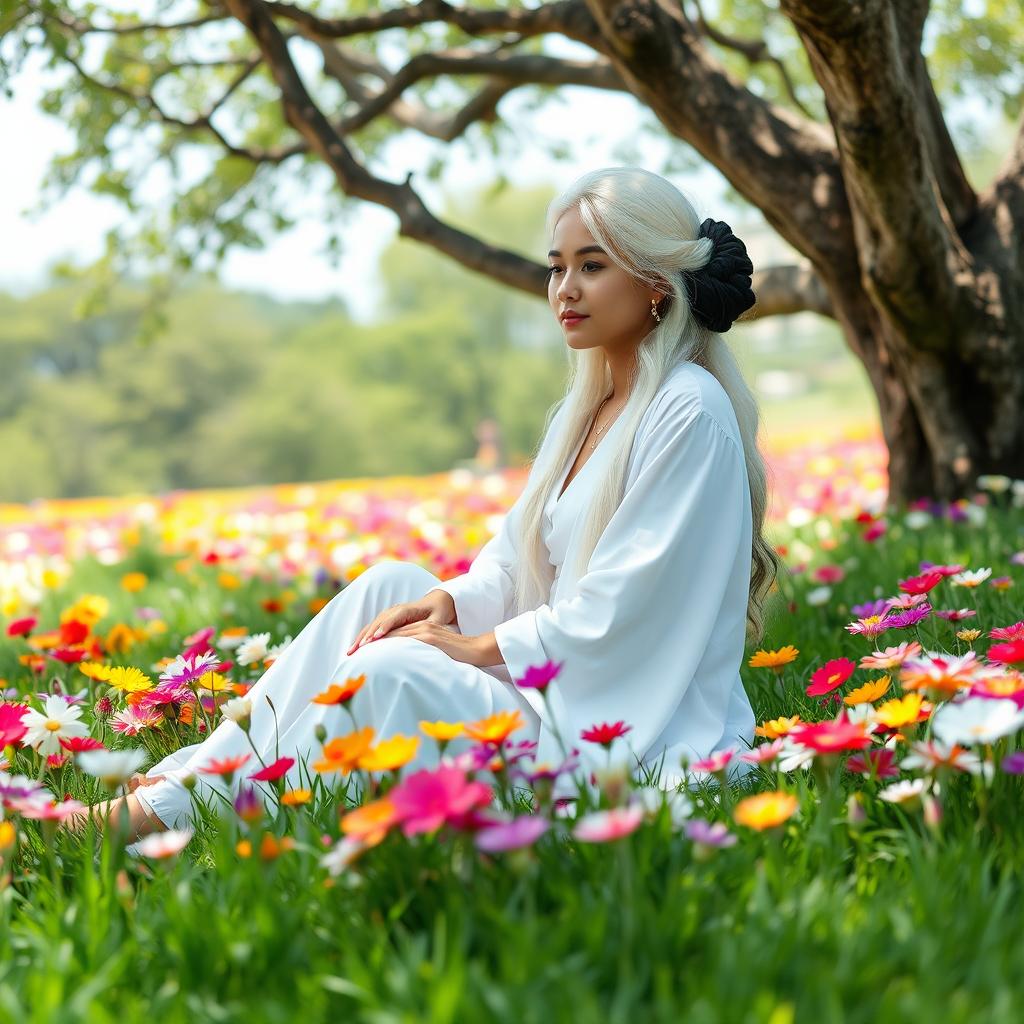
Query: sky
[[290, 266]]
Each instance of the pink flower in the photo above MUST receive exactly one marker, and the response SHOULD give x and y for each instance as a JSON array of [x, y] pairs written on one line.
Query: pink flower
[[76, 744], [512, 835], [715, 763], [879, 759], [274, 771], [168, 843], [763, 754], [604, 826], [537, 677], [38, 810], [830, 676], [426, 799], [828, 574], [1014, 632], [891, 656], [11, 727], [955, 614], [1009, 653], [910, 617]]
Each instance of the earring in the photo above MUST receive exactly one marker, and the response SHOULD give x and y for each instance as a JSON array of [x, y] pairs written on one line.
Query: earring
[[654, 311]]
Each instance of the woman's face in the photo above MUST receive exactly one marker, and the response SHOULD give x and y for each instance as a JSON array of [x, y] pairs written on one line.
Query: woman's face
[[616, 307]]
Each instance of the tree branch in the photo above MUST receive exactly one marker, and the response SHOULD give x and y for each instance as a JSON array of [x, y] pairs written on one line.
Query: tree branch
[[786, 289], [415, 220], [82, 27], [913, 263]]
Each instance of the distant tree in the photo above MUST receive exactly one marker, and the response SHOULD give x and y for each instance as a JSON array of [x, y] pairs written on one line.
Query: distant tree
[[823, 114]]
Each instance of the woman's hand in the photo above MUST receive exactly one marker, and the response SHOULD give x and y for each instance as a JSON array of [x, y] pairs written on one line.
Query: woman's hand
[[437, 608], [469, 649]]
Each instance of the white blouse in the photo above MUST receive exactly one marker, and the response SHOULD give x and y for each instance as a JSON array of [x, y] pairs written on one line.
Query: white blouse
[[653, 633]]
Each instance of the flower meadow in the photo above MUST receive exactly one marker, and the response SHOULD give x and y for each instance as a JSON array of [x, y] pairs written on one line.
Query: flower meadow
[[860, 861]]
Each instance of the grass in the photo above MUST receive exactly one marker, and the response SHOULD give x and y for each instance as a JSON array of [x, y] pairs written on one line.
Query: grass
[[823, 917]]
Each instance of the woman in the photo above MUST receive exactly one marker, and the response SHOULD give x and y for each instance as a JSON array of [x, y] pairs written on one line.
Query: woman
[[634, 557]]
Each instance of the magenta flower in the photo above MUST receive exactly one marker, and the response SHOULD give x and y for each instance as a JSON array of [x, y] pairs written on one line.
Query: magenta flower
[[717, 762], [604, 826], [881, 760], [274, 771], [248, 805], [1013, 764], [11, 728], [426, 799], [512, 835], [183, 671], [537, 677], [707, 834], [910, 617], [170, 695], [955, 614]]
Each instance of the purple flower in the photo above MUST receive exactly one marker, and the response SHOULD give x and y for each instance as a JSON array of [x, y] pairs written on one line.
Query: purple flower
[[865, 611], [708, 834], [248, 805], [538, 677], [511, 835], [185, 670], [512, 752], [1013, 764], [911, 617]]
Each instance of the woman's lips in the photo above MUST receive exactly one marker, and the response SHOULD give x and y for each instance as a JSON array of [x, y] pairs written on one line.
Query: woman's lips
[[571, 321]]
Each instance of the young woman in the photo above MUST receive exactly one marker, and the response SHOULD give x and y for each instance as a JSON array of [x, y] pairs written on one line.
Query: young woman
[[634, 558]]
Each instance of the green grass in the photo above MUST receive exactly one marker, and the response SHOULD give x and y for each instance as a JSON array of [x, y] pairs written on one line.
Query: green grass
[[886, 920]]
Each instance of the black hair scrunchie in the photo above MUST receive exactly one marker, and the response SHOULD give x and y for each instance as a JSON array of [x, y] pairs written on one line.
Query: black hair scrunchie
[[720, 291]]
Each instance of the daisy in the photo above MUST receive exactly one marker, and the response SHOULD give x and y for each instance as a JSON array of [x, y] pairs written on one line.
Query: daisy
[[111, 767], [128, 679], [1014, 632], [910, 617], [830, 676], [763, 754], [159, 845], [765, 810], [237, 710], [868, 692], [872, 626], [185, 670], [930, 755], [977, 720], [59, 720], [252, 648], [969, 578], [776, 727], [905, 601], [131, 721], [903, 792], [921, 584], [605, 826], [878, 760], [891, 656], [956, 614], [940, 672], [773, 659]]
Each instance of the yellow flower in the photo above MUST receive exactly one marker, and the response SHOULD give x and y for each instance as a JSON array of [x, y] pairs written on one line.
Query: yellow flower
[[900, 711], [243, 848], [121, 638], [777, 727], [390, 754], [495, 728], [129, 679], [228, 580], [89, 608], [94, 670], [968, 635], [442, 730], [766, 810], [774, 659], [214, 681], [7, 836], [869, 692], [134, 581], [294, 797]]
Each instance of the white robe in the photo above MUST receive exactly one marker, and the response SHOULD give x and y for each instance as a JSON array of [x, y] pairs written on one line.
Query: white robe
[[652, 634]]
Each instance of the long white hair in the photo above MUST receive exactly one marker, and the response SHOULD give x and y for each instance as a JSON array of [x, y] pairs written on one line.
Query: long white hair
[[649, 229]]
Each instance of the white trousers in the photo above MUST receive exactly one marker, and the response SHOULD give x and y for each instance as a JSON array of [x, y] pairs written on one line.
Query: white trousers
[[407, 681]]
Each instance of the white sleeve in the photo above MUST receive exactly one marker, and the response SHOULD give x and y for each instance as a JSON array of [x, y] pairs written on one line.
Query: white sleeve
[[632, 635], [485, 594]]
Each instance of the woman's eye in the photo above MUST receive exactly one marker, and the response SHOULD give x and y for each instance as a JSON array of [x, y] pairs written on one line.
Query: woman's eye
[[596, 266]]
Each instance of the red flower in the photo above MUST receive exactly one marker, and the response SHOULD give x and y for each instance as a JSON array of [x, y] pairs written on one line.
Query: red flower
[[226, 765], [921, 584], [605, 733], [69, 655], [830, 676], [1009, 653], [11, 729], [73, 631], [832, 736], [22, 627], [828, 574], [76, 744], [274, 771]]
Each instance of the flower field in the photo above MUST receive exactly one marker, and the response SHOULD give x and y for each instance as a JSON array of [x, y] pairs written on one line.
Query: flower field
[[865, 867]]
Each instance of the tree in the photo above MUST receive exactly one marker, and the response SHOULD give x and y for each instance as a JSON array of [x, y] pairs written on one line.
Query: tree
[[836, 134]]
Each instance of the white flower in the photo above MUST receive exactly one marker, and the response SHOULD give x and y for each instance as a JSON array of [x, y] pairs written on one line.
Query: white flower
[[651, 798], [237, 710], [934, 755], [794, 755], [112, 767], [902, 792], [976, 720], [278, 649], [344, 851], [918, 519], [229, 643], [996, 484], [969, 578], [58, 721], [187, 669], [162, 844], [976, 515], [818, 596], [252, 648]]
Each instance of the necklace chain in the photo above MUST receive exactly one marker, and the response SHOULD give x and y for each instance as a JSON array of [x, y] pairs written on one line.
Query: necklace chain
[[597, 433]]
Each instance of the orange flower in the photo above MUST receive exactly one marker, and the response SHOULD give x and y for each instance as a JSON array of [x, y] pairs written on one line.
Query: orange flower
[[243, 848], [235, 631], [271, 847], [390, 754], [295, 797], [371, 822], [442, 730], [94, 670], [133, 582], [774, 659], [186, 714], [317, 604], [228, 580], [766, 810], [777, 727], [340, 693], [869, 692], [342, 754], [121, 638], [495, 728]]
